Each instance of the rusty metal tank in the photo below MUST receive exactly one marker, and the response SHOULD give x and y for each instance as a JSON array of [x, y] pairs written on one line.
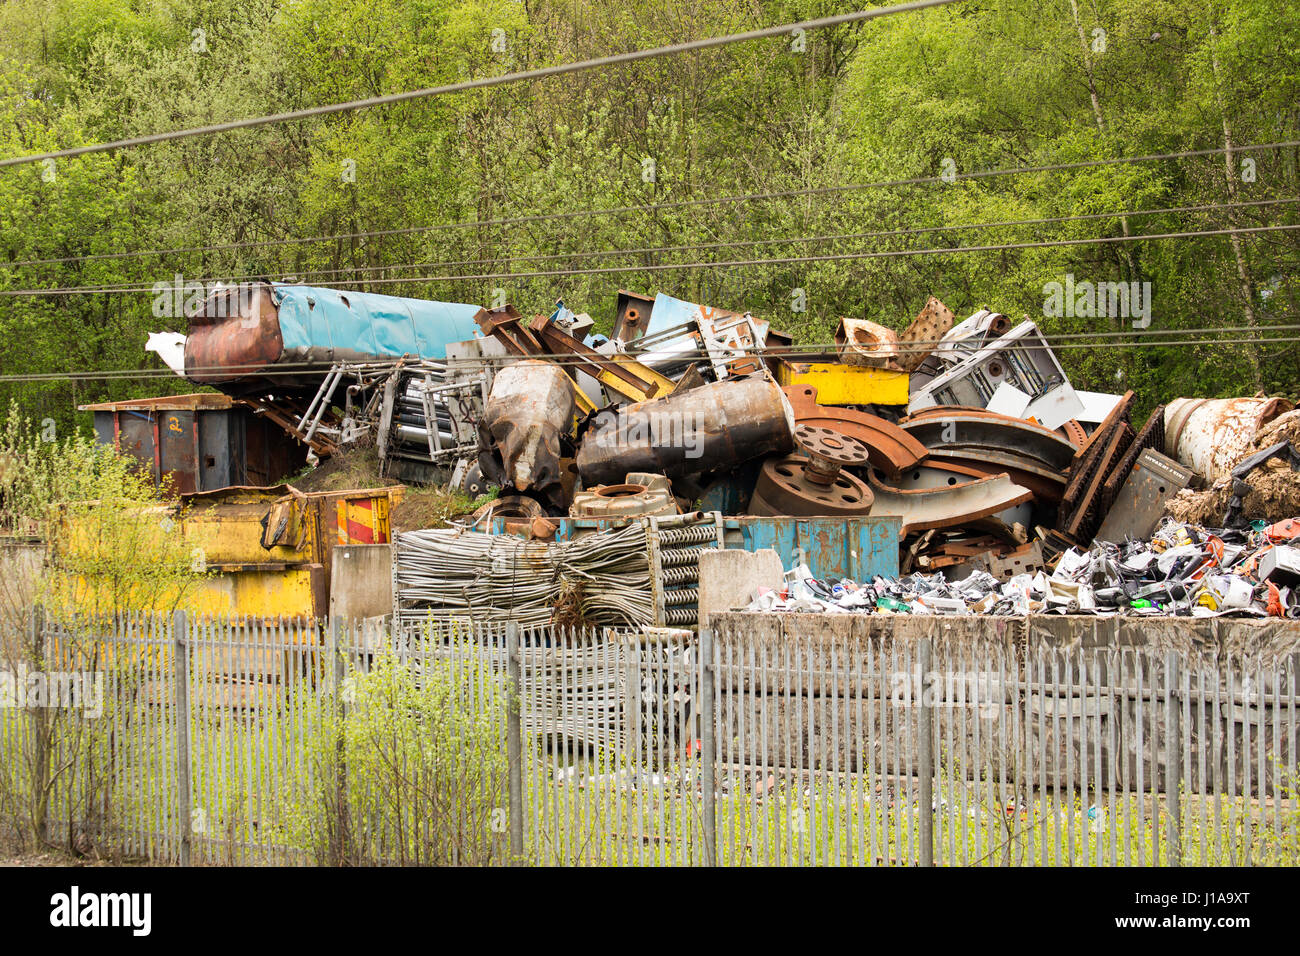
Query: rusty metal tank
[[707, 428], [1209, 435], [258, 334]]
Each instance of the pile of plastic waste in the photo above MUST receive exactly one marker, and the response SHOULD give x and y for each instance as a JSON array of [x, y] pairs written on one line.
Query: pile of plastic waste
[[1182, 571]]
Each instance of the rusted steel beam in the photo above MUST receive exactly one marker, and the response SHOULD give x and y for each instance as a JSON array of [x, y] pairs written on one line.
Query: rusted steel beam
[[506, 326], [1084, 520], [624, 375], [286, 415], [1152, 435]]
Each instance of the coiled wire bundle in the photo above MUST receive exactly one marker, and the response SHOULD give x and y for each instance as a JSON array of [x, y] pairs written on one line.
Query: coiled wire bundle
[[456, 575]]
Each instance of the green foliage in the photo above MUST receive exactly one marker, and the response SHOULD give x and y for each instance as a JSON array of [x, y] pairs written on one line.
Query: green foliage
[[409, 766], [112, 540], [986, 84]]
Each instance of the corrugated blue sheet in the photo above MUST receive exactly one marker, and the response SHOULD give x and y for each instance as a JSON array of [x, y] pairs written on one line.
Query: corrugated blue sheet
[[383, 326]]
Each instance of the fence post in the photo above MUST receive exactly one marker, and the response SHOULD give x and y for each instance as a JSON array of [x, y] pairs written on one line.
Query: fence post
[[334, 672], [708, 738], [42, 735], [514, 742], [1174, 758], [181, 682], [925, 734]]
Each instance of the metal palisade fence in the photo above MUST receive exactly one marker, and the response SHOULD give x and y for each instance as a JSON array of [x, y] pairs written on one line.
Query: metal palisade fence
[[230, 741]]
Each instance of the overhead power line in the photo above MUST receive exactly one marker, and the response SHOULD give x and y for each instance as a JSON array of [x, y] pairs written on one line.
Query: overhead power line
[[737, 263], [301, 277], [486, 82], [806, 351], [649, 207]]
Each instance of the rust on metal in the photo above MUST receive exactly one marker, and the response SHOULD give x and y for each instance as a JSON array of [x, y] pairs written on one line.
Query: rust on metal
[[785, 488], [974, 434], [287, 412], [869, 344], [1102, 432], [1152, 435], [623, 501], [707, 428], [1083, 515], [889, 447], [1210, 435], [528, 412], [1092, 465], [621, 373], [1087, 458], [198, 442], [1074, 432], [1047, 485], [828, 452], [925, 509], [969, 411], [919, 339], [505, 324], [632, 315], [234, 334]]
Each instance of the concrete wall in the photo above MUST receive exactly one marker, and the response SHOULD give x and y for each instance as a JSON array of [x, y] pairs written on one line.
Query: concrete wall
[[361, 581], [1211, 638]]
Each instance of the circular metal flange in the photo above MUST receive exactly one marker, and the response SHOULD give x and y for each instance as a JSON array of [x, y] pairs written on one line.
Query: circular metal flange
[[475, 484], [828, 443], [783, 488], [828, 451], [512, 506]]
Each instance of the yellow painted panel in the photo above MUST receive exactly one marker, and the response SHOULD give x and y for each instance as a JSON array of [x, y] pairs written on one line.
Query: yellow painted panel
[[285, 593], [839, 384], [231, 533]]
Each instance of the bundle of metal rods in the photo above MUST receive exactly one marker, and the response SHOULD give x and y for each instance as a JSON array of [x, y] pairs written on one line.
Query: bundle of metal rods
[[450, 574]]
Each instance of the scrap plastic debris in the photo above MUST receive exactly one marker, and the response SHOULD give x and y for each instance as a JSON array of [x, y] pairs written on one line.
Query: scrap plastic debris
[[1182, 571]]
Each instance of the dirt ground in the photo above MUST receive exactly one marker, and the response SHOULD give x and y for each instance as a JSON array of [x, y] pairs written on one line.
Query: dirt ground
[[47, 859], [353, 468]]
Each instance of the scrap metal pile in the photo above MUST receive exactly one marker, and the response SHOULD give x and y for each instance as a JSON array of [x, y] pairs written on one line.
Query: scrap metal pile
[[970, 433], [1182, 571]]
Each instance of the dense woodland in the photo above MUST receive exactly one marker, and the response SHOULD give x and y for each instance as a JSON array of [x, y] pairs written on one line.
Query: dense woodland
[[984, 84]]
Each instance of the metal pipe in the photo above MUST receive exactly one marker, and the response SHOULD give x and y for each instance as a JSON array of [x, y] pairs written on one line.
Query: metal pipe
[[702, 429]]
